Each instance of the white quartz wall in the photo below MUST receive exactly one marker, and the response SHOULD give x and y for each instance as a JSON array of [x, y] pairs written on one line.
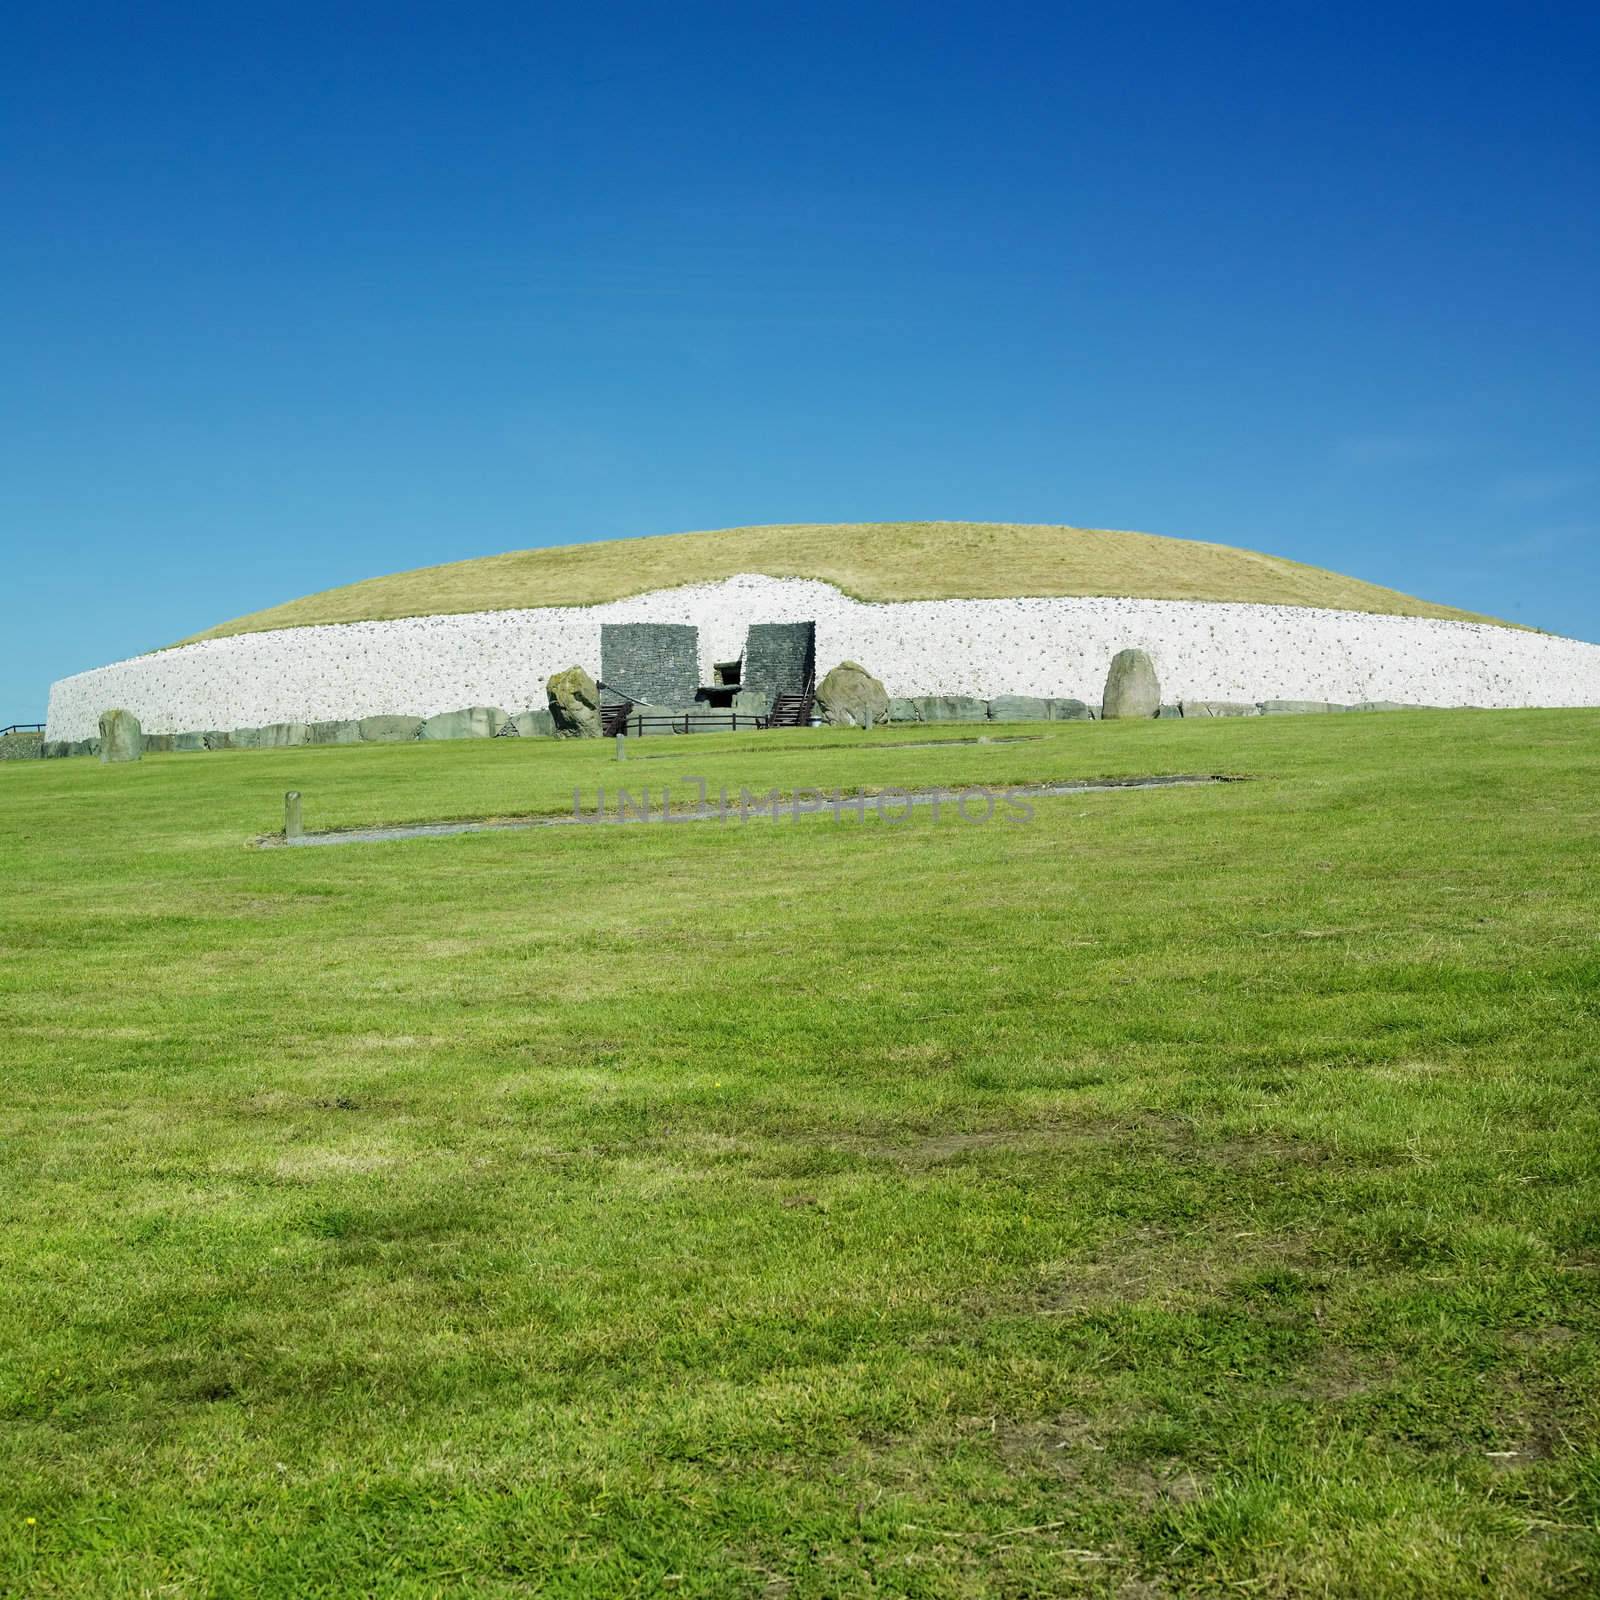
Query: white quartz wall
[[1202, 651]]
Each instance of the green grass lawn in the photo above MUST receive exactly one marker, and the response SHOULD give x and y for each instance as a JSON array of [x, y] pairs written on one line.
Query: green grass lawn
[[1192, 1191], [870, 560]]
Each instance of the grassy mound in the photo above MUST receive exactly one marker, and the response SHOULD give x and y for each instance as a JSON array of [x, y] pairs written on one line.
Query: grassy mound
[[872, 561], [1186, 1192]]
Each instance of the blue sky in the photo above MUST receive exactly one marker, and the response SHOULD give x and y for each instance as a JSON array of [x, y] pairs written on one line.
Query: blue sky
[[299, 294]]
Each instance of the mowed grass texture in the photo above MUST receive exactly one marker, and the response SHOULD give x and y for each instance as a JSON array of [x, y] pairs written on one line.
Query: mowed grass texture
[[1191, 1191], [869, 560]]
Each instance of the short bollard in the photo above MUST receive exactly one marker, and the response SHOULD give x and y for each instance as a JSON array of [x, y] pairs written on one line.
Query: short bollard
[[622, 747], [292, 826]]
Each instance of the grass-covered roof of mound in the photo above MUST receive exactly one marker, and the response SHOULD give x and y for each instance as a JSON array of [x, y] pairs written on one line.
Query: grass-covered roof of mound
[[870, 560]]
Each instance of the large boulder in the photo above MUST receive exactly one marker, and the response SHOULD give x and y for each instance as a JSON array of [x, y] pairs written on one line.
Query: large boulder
[[1131, 687], [950, 708], [574, 704], [1069, 710], [850, 697], [475, 722], [121, 737], [1018, 708]]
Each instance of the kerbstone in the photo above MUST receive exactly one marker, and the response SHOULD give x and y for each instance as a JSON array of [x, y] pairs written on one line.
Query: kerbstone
[[950, 708], [534, 724], [1132, 689], [1019, 708], [121, 738], [335, 732], [1296, 708], [158, 743], [474, 722], [188, 741], [851, 697], [390, 730], [1220, 708], [903, 709], [283, 735], [1069, 710]]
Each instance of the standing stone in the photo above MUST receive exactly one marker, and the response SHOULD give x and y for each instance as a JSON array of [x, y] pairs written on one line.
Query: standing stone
[[851, 697], [121, 737], [1131, 687], [574, 704]]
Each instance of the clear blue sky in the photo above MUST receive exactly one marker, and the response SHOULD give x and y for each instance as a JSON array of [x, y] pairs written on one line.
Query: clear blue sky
[[297, 294]]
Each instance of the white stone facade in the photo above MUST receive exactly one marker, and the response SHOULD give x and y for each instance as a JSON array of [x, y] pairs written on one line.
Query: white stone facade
[[420, 666]]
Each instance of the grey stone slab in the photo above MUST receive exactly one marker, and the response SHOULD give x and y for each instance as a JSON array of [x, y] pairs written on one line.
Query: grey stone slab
[[950, 708], [1220, 708], [389, 729], [535, 724], [473, 722], [1019, 708]]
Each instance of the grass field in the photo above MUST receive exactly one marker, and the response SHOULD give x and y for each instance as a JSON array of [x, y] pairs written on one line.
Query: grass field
[[872, 561], [1190, 1191]]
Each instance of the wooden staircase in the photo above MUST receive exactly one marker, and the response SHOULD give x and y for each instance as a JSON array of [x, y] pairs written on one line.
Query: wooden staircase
[[793, 710]]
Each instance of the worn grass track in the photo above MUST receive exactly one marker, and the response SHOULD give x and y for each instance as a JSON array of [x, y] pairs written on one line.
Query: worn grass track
[[1190, 1191]]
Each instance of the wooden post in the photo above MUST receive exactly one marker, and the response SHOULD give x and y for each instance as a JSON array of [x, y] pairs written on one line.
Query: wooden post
[[293, 828]]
